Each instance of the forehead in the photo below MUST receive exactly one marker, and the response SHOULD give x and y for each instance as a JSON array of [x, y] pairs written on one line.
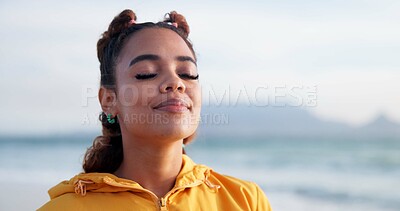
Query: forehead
[[159, 41]]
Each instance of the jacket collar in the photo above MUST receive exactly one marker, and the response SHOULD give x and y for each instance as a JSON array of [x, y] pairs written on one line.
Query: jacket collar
[[190, 175]]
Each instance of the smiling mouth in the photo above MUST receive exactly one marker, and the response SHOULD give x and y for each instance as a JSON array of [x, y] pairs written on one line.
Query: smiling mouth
[[175, 105]]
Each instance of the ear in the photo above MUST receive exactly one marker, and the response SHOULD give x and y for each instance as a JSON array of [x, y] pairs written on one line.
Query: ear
[[108, 101]]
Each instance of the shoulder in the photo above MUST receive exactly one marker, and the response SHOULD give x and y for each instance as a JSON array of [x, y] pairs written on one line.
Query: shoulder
[[63, 203], [91, 194], [234, 184], [241, 190], [92, 201]]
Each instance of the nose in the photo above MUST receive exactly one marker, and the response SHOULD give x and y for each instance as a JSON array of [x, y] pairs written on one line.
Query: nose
[[173, 83]]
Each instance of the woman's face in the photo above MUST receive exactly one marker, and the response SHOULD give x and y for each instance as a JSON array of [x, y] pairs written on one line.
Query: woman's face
[[157, 97]]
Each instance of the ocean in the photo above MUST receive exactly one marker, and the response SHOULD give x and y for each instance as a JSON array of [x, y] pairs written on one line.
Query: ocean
[[296, 173]]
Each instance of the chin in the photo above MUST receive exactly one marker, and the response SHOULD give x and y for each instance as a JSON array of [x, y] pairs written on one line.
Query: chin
[[175, 132], [165, 128]]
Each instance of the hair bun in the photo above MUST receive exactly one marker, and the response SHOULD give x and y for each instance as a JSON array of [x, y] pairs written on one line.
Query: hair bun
[[121, 22], [180, 20], [118, 24]]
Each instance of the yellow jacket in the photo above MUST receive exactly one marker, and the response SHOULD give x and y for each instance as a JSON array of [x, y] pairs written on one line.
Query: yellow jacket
[[197, 187]]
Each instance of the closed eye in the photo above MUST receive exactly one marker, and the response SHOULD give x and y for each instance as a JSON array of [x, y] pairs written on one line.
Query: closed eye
[[190, 77], [145, 76]]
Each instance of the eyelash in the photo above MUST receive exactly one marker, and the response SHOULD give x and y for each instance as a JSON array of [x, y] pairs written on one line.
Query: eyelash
[[190, 77], [144, 76], [148, 76]]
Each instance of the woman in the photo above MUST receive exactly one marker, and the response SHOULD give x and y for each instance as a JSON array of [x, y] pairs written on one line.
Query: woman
[[151, 100]]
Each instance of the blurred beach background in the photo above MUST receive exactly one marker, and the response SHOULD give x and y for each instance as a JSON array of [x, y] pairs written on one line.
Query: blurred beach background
[[301, 97]]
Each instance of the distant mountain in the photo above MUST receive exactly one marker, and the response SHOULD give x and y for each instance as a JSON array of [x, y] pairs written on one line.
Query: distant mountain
[[281, 121], [381, 125]]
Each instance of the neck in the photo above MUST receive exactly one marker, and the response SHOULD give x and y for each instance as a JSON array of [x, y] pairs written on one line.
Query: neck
[[155, 168]]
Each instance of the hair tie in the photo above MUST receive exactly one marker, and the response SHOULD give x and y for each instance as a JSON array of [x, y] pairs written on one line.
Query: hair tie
[[175, 24]]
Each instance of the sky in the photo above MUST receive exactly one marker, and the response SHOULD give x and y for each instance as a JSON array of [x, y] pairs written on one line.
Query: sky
[[337, 59]]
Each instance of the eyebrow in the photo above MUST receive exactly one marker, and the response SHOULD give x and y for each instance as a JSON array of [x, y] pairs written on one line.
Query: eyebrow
[[144, 57], [186, 59], [153, 57]]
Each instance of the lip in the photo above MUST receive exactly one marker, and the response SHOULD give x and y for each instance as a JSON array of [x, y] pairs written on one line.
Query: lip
[[174, 105]]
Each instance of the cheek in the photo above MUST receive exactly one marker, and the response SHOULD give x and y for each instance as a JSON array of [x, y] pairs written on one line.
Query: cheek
[[198, 94], [128, 95], [195, 95], [137, 95], [147, 92]]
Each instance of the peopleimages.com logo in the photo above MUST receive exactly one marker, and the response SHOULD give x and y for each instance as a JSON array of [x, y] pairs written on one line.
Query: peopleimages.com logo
[[251, 95], [230, 96]]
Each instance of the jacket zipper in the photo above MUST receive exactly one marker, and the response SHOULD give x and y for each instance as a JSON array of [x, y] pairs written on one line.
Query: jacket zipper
[[163, 200], [163, 204]]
